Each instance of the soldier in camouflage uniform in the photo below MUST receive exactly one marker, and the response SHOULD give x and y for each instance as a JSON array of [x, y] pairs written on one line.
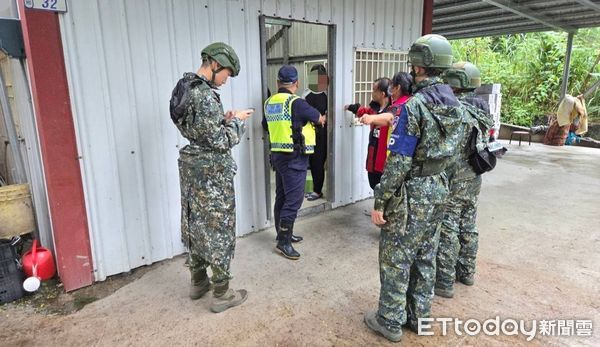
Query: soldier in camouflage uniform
[[206, 171], [409, 198], [458, 231]]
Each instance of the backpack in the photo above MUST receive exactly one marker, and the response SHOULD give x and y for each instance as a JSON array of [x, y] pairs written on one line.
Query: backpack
[[180, 95], [480, 157], [483, 160]]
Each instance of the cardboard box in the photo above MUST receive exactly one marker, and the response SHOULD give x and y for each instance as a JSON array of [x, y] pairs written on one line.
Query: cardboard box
[[489, 89]]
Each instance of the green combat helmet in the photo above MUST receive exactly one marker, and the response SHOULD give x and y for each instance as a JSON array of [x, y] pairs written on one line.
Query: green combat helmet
[[431, 51], [223, 54], [463, 75]]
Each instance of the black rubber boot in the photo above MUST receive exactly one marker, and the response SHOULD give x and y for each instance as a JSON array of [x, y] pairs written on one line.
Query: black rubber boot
[[295, 238], [284, 244]]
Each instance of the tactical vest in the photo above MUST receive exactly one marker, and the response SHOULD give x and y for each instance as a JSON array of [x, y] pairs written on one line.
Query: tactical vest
[[278, 112], [443, 127]]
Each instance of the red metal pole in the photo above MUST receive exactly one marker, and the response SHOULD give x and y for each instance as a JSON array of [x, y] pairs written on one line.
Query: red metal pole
[[427, 17], [50, 93]]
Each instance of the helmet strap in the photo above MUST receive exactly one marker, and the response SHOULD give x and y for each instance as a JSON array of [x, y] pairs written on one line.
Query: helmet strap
[[215, 71]]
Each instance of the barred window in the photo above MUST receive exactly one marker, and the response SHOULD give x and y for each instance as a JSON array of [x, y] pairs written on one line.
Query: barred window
[[370, 64]]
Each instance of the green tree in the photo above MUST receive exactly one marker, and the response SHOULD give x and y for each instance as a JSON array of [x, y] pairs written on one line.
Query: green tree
[[530, 66]]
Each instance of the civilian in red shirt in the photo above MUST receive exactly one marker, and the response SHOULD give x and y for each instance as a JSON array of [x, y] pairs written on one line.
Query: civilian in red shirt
[[399, 91], [376, 155], [401, 88]]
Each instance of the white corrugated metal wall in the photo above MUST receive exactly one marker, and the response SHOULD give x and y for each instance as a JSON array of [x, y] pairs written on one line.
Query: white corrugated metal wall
[[124, 57]]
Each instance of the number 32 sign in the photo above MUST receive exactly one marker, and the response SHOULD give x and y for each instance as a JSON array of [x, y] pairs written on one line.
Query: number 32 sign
[[48, 5]]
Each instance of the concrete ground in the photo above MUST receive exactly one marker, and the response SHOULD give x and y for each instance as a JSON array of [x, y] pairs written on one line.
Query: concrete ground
[[538, 219]]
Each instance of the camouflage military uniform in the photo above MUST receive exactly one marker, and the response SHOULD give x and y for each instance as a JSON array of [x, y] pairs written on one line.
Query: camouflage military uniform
[[412, 190], [206, 172], [458, 231]]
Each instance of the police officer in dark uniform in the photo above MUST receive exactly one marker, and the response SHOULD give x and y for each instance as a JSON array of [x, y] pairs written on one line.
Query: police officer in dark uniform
[[290, 121]]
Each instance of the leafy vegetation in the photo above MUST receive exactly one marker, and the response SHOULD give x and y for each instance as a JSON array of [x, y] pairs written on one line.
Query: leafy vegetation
[[530, 66]]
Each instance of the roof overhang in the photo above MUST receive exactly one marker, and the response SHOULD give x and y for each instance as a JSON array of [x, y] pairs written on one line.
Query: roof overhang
[[457, 19]]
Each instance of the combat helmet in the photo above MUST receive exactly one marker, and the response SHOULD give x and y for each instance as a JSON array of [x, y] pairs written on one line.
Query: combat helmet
[[463, 75], [431, 51], [223, 54]]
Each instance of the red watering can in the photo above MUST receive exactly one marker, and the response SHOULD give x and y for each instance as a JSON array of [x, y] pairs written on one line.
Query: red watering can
[[38, 264]]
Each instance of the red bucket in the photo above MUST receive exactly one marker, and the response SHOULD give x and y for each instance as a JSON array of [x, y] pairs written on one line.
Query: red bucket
[[43, 261]]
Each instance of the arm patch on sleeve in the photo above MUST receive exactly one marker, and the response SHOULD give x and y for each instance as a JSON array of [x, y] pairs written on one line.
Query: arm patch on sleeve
[[400, 141]]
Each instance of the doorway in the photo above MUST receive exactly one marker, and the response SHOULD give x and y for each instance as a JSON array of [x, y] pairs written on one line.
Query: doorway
[[309, 48]]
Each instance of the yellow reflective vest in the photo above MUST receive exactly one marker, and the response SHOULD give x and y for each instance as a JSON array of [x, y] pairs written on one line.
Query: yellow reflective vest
[[278, 112]]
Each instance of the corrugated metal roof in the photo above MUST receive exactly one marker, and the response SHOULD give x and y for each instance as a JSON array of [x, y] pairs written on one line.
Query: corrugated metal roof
[[474, 18]]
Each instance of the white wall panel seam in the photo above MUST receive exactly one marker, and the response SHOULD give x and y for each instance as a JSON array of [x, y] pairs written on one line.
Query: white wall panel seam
[[292, 8], [250, 130], [168, 233], [131, 92], [235, 151], [166, 186], [111, 126], [320, 7], [193, 39], [88, 151], [155, 98], [211, 21]]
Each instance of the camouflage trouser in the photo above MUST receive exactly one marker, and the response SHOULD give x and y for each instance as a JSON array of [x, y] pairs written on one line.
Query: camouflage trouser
[[458, 233], [407, 266], [207, 214], [220, 273]]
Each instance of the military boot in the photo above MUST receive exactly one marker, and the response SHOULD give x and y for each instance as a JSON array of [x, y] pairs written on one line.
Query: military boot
[[284, 244], [225, 298], [444, 292], [464, 277], [373, 324], [200, 284], [411, 325], [295, 238], [467, 280]]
